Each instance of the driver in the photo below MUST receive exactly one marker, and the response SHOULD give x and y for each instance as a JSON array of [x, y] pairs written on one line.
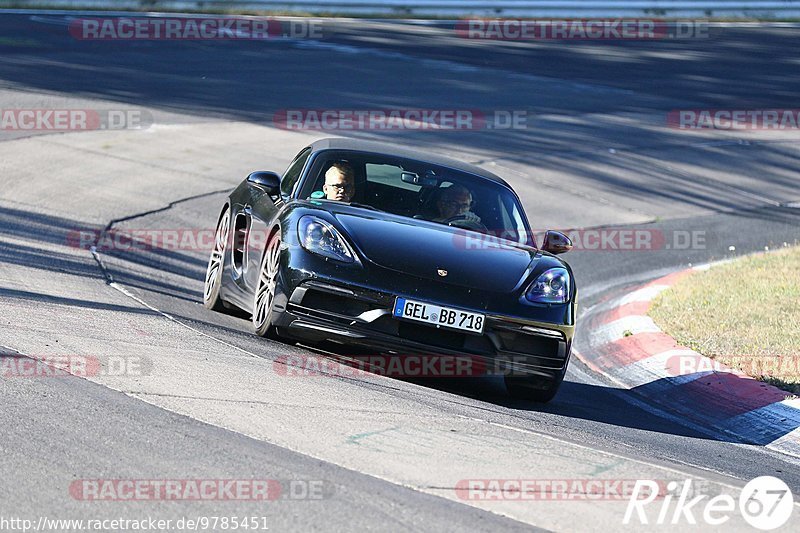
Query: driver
[[455, 201], [339, 182]]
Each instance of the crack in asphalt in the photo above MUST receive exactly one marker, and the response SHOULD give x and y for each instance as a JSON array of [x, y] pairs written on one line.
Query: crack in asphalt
[[165, 208], [116, 286], [106, 272]]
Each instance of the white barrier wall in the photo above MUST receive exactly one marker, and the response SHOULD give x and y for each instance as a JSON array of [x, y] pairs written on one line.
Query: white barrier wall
[[528, 8]]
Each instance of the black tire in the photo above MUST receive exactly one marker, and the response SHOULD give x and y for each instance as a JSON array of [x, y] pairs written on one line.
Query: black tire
[[266, 289], [533, 388], [213, 279]]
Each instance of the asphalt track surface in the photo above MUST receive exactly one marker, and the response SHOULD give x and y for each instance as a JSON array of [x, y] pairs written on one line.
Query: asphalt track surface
[[390, 452]]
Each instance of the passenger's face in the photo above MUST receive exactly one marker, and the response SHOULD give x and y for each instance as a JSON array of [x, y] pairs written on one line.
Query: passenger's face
[[337, 187], [454, 204]]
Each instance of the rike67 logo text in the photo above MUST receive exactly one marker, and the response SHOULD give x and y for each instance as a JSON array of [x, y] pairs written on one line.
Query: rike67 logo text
[[765, 503]]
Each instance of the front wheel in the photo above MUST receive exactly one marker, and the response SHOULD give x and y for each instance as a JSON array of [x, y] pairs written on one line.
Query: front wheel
[[267, 288], [213, 281]]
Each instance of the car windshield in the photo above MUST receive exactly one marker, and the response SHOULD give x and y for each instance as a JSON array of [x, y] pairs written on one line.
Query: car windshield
[[421, 191]]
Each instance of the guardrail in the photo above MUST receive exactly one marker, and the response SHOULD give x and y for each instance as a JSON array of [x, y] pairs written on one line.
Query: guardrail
[[530, 8]]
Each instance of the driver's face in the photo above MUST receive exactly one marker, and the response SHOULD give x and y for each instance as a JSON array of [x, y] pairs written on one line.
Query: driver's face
[[455, 204]]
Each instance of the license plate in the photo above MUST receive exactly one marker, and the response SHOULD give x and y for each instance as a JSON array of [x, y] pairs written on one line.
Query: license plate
[[437, 315]]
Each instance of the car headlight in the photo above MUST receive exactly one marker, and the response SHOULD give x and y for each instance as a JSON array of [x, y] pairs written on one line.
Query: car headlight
[[551, 287], [321, 238]]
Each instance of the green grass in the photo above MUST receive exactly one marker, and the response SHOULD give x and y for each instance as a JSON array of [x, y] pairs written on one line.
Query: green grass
[[744, 314]]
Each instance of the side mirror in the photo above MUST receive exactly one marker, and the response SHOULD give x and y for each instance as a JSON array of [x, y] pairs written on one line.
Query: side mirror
[[269, 182], [556, 242]]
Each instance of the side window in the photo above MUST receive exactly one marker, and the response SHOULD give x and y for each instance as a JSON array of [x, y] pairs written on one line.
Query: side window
[[292, 173], [388, 175], [386, 190]]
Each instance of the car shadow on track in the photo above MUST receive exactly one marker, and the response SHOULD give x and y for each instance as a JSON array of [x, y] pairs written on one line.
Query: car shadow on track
[[591, 402], [658, 406], [596, 403]]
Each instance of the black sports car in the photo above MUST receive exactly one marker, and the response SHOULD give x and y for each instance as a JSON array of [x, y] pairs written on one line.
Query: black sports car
[[396, 251]]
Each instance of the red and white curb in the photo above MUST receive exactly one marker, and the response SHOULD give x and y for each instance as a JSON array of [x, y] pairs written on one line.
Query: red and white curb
[[626, 346]]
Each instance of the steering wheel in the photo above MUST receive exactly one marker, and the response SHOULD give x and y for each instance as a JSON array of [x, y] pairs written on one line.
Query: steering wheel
[[466, 222]]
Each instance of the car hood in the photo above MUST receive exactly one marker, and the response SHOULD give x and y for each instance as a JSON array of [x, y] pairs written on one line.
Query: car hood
[[421, 248]]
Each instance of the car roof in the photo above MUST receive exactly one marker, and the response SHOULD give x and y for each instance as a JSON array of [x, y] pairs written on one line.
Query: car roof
[[341, 143]]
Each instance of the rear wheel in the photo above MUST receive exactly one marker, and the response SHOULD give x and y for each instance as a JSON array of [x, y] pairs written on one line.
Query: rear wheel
[[213, 281], [533, 388], [266, 288]]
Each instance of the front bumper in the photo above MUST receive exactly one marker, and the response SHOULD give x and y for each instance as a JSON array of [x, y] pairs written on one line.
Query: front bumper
[[361, 318]]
